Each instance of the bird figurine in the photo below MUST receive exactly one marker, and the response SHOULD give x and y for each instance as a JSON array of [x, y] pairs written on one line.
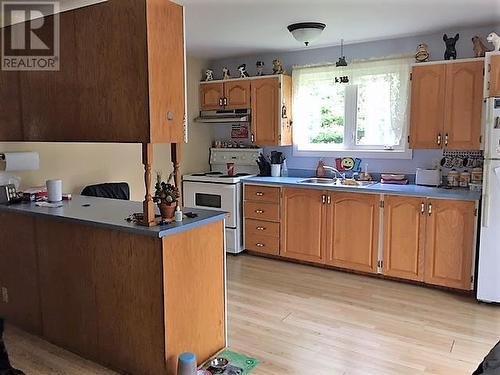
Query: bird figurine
[[479, 48], [494, 38], [422, 54]]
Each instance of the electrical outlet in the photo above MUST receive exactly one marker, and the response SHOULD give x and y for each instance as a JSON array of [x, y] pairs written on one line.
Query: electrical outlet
[[5, 295]]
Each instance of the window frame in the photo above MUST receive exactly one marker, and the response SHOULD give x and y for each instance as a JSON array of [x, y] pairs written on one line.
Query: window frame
[[349, 146]]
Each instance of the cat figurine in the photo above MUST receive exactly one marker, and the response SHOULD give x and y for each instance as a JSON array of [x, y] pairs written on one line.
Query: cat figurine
[[5, 367]]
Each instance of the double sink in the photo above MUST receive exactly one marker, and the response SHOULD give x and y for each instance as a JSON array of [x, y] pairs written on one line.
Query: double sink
[[337, 182]]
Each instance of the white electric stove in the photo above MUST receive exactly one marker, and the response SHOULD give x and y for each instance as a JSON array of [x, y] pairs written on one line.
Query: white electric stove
[[215, 190]]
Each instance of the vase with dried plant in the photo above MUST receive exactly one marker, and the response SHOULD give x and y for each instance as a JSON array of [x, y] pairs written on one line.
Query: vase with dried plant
[[166, 196]]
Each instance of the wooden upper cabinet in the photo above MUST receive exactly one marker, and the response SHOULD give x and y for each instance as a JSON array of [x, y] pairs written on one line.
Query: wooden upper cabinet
[[463, 105], [353, 231], [494, 89], [211, 96], [126, 85], [404, 237], [427, 106], [11, 127], [450, 243], [272, 110], [302, 233], [237, 94]]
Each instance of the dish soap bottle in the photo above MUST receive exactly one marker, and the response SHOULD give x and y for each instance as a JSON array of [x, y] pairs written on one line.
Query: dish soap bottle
[[178, 215], [284, 169]]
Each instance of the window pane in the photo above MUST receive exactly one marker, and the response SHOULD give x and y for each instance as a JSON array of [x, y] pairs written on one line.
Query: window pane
[[326, 116], [377, 98]]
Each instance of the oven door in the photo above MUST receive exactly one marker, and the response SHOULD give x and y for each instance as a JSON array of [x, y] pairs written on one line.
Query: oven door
[[218, 197]]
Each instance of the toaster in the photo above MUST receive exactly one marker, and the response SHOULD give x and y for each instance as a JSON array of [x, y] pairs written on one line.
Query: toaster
[[428, 177]]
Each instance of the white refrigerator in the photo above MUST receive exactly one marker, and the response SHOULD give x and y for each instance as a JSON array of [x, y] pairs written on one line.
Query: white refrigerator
[[488, 282]]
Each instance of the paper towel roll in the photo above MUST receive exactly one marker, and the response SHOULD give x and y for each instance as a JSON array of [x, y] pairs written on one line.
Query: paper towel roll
[[21, 161]]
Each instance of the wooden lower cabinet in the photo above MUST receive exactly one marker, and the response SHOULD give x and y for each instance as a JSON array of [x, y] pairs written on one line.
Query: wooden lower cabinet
[[450, 240], [352, 222], [404, 237], [303, 212]]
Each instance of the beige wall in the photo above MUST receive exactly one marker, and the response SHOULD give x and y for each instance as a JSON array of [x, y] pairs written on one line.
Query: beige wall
[[81, 164]]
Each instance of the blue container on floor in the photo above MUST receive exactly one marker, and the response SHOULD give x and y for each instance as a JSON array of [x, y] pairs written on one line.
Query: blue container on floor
[[187, 364]]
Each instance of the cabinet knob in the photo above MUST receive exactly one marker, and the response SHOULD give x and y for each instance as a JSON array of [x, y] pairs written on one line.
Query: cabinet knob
[[429, 210], [439, 139], [260, 244], [329, 200], [221, 103], [422, 208], [170, 116], [261, 228], [259, 211], [323, 199], [225, 101], [259, 194], [446, 139]]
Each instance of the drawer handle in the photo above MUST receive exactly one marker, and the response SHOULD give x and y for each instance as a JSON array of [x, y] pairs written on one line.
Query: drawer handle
[[259, 211], [261, 228], [260, 245], [259, 194]]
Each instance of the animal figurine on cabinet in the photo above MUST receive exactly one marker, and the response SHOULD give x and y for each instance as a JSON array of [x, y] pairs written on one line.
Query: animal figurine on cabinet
[[243, 71], [260, 68], [5, 366], [422, 53], [278, 67], [209, 75], [495, 39], [451, 50], [226, 74], [479, 48]]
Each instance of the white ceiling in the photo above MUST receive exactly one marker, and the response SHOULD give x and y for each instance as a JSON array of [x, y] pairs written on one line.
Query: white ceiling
[[226, 28]]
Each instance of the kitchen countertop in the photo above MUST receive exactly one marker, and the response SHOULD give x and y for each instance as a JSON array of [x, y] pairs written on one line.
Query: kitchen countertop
[[378, 188], [111, 214]]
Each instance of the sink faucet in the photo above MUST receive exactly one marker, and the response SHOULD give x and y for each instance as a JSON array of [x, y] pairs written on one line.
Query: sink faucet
[[336, 171]]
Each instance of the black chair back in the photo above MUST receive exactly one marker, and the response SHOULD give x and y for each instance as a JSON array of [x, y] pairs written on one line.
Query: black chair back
[[115, 190]]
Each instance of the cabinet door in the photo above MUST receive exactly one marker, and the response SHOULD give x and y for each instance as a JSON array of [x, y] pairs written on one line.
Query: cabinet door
[[302, 225], [404, 231], [463, 105], [237, 94], [495, 76], [211, 95], [450, 243], [427, 106], [265, 107], [10, 107], [19, 272], [286, 112], [352, 231]]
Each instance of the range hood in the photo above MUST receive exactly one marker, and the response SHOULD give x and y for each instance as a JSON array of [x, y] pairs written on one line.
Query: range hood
[[224, 116]]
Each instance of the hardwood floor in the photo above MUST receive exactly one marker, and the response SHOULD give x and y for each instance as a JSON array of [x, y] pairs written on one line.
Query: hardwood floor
[[303, 320]]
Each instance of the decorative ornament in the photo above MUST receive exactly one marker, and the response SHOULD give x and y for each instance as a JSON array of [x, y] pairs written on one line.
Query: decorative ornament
[[422, 53], [451, 51], [342, 61], [243, 71], [226, 74], [278, 67], [209, 75], [306, 32], [495, 39], [260, 68], [479, 48]]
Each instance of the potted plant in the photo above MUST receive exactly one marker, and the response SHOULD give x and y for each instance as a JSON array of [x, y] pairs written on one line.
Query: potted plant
[[166, 195]]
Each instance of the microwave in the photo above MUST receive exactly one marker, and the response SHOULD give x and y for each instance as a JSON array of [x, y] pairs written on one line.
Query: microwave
[[8, 194]]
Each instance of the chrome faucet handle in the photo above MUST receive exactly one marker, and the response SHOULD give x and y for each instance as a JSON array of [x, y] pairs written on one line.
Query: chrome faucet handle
[[354, 174]]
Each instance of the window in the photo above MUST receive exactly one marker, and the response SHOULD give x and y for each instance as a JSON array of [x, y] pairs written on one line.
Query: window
[[361, 107]]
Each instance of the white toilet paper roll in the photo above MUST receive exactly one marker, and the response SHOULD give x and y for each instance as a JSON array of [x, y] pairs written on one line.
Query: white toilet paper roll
[[21, 161], [54, 190]]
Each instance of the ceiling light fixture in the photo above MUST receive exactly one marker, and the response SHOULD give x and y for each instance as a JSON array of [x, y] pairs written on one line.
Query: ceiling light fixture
[[306, 32]]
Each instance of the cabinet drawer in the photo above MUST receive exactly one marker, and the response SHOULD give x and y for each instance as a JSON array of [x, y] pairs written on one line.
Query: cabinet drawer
[[262, 193], [262, 228], [262, 244], [262, 211]]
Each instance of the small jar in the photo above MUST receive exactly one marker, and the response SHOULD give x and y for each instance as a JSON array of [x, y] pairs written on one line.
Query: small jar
[[453, 178], [477, 175], [464, 179]]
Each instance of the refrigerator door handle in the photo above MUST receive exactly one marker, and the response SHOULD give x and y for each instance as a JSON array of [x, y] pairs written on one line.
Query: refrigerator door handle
[[486, 197]]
